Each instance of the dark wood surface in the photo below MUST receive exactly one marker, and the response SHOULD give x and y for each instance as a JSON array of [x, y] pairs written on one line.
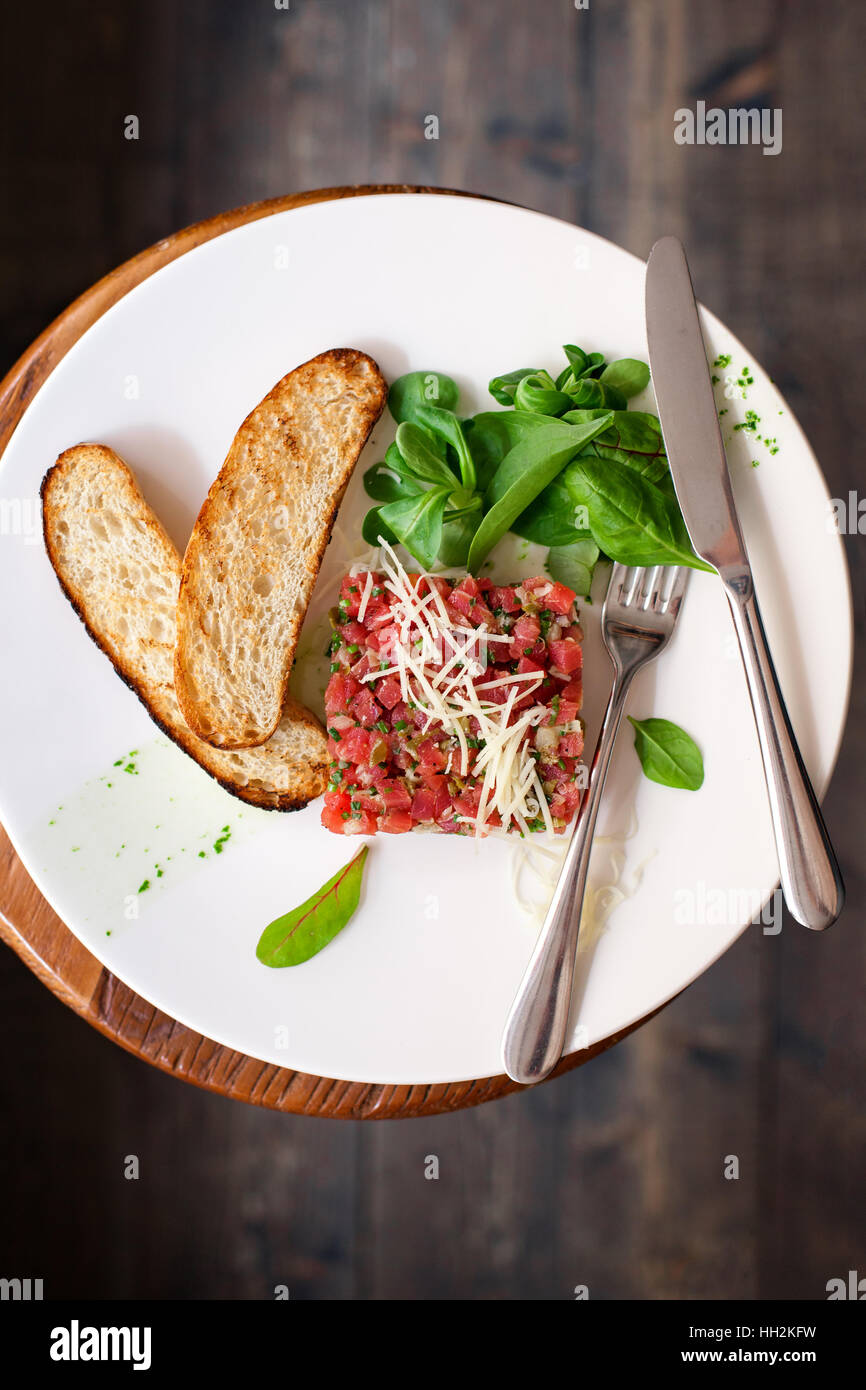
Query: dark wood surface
[[613, 1176]]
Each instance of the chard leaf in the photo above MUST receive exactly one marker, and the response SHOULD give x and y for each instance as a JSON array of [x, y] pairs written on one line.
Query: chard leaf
[[303, 932], [634, 438]]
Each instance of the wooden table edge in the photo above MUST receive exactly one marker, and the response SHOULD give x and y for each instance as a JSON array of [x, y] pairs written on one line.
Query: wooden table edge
[[43, 941]]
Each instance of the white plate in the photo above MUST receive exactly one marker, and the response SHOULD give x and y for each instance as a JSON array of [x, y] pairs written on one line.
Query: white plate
[[417, 987]]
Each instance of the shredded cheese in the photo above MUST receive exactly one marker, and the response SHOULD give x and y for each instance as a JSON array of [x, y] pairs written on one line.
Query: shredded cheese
[[365, 597], [437, 662]]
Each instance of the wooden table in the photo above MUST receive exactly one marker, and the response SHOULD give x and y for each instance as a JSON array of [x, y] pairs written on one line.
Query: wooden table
[[46, 945], [614, 1176]]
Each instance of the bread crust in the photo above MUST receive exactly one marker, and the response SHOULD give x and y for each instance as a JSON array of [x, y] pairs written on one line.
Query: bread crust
[[295, 451], [305, 775]]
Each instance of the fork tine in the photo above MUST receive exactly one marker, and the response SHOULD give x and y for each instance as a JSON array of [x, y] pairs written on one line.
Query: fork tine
[[655, 589], [677, 589], [625, 583], [653, 585]]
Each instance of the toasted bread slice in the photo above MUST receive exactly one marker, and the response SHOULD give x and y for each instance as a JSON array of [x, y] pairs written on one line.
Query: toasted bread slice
[[253, 557], [121, 574]]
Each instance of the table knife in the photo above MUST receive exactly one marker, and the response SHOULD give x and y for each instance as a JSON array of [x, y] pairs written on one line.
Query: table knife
[[809, 873]]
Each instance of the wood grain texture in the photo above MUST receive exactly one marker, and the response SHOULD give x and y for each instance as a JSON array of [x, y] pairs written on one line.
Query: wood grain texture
[[45, 943]]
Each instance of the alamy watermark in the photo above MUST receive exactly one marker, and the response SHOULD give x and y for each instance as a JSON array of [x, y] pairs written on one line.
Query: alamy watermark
[[22, 517], [847, 517], [735, 126], [705, 906]]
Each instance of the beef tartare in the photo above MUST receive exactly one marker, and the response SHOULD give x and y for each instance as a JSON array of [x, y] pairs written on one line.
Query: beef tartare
[[452, 704]]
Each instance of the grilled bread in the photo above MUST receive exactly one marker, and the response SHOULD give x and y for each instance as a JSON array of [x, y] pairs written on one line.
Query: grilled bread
[[121, 574], [253, 557]]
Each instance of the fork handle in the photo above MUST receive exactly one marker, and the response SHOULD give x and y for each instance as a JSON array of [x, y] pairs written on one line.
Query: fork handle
[[536, 1026], [810, 875]]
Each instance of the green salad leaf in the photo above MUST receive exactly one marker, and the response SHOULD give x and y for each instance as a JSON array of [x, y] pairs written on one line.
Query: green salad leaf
[[416, 389], [668, 754], [417, 523], [537, 392], [542, 450], [504, 388], [565, 464], [550, 519], [634, 438], [631, 520], [420, 459], [627, 375], [303, 932], [449, 429], [524, 472], [574, 564], [374, 529]]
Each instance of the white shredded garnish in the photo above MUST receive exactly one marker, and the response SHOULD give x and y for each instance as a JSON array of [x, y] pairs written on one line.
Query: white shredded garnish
[[365, 597], [448, 694], [600, 899]]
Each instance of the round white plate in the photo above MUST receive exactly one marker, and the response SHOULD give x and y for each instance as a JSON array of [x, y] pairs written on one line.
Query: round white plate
[[416, 988]]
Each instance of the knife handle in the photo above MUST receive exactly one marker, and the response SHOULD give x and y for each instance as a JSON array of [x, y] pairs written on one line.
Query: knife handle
[[810, 875]]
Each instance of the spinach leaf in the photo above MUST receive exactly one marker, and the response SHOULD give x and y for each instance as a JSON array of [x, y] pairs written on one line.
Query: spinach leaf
[[634, 438], [417, 523], [628, 375], [631, 520], [550, 519], [524, 472], [417, 389], [538, 393], [448, 428], [420, 460], [574, 564], [302, 933], [373, 527], [502, 388], [668, 754], [537, 449], [492, 435]]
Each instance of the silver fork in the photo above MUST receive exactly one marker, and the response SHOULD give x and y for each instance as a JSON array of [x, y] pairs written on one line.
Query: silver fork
[[637, 622]]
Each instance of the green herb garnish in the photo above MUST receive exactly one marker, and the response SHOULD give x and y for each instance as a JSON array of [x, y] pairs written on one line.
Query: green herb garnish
[[302, 933], [668, 754]]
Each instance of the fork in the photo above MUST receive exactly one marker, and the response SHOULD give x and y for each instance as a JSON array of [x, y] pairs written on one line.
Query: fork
[[637, 621]]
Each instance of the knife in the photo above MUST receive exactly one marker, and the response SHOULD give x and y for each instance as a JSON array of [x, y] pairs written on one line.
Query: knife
[[810, 875]]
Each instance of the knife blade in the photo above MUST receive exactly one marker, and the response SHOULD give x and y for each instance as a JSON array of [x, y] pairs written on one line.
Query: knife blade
[[808, 869], [687, 410]]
